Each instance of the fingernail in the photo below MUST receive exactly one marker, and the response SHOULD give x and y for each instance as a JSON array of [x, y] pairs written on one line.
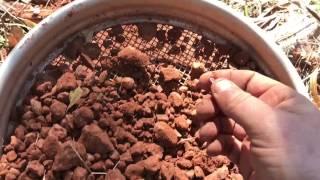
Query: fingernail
[[211, 80], [221, 85]]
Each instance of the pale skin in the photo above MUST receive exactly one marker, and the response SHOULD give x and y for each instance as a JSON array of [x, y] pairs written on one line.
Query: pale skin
[[276, 130]]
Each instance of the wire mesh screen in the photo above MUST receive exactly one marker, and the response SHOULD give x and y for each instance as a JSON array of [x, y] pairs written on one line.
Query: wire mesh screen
[[164, 44]]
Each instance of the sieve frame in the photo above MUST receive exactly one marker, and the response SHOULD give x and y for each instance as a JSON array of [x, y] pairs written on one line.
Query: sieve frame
[[27, 58]]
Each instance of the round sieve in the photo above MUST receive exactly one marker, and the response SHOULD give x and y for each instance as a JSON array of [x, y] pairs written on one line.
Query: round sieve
[[201, 30]]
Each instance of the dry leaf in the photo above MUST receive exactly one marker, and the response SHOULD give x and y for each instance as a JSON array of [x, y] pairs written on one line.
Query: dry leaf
[[28, 22], [75, 96], [14, 36], [314, 87]]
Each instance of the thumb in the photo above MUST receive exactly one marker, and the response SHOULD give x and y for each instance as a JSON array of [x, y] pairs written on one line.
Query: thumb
[[245, 109]]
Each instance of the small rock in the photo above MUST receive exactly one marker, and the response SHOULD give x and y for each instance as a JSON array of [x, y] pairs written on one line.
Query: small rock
[[114, 174], [127, 83], [123, 135], [35, 168], [36, 106], [95, 140], [63, 97], [51, 146], [103, 76], [66, 82], [170, 74], [129, 108], [198, 172], [220, 173], [83, 116], [58, 110], [167, 170], [175, 99], [165, 134], [98, 166], [180, 174], [134, 171], [184, 163], [24, 176], [68, 156], [152, 164], [82, 71], [58, 131], [44, 87], [135, 56], [162, 117], [11, 156], [10, 176], [79, 173], [197, 69], [20, 132], [181, 122]]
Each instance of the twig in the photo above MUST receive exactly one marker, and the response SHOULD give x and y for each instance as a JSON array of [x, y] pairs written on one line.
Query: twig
[[98, 173], [20, 25], [81, 159], [48, 1], [115, 166]]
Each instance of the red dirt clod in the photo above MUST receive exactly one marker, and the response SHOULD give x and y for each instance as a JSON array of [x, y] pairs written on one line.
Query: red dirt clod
[[167, 170], [184, 163], [58, 110], [58, 131], [95, 140], [36, 106], [170, 74], [114, 174], [79, 173], [51, 146], [165, 134], [134, 171], [82, 116], [130, 55], [162, 117], [11, 156], [127, 83], [66, 82], [175, 99], [43, 87], [152, 164], [68, 156], [197, 69], [35, 169], [198, 172], [181, 122]]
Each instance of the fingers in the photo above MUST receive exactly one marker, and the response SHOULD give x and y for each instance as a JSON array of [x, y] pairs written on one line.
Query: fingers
[[244, 108], [223, 126], [250, 81], [244, 161], [208, 132], [205, 109], [228, 126], [227, 145]]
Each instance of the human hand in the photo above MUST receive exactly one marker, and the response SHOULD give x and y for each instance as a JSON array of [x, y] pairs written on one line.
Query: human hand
[[280, 125]]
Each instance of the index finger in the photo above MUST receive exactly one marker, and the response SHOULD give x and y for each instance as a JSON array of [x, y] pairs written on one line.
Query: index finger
[[250, 81]]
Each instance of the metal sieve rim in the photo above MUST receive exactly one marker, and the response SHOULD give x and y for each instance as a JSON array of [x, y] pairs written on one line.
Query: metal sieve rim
[[214, 16]]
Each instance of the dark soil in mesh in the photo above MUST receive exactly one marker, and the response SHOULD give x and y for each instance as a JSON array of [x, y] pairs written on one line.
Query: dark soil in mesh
[[114, 109]]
